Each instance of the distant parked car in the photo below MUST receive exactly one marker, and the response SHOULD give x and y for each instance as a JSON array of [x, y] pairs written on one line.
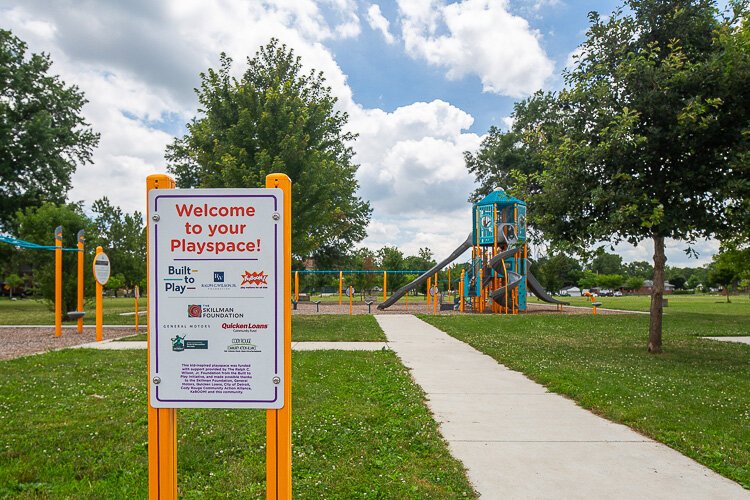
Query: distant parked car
[[618, 293], [606, 293]]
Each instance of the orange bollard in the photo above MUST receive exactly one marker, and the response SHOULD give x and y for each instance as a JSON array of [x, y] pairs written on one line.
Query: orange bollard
[[351, 298], [429, 287], [137, 296], [296, 286], [385, 284], [341, 285]]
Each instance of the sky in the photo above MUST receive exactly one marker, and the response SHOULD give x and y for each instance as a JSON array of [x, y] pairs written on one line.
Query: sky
[[421, 80]]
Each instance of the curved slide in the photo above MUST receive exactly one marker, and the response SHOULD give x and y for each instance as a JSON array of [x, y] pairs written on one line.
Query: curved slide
[[537, 289], [405, 289]]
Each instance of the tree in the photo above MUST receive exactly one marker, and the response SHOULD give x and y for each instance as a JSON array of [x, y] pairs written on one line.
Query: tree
[[43, 136], [728, 267], [37, 225], [556, 271], [639, 268], [392, 259], [634, 283], [610, 280], [13, 281], [678, 282], [123, 237], [607, 263], [274, 118], [588, 280], [649, 139], [115, 282]]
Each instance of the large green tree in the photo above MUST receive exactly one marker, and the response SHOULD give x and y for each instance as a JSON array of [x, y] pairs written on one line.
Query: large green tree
[[275, 118], [649, 138], [123, 237], [43, 135]]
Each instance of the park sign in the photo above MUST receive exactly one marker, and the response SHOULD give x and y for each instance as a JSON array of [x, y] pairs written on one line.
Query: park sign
[[101, 268], [216, 296]]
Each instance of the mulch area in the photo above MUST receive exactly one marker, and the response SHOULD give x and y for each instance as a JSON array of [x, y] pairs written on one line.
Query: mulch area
[[16, 342]]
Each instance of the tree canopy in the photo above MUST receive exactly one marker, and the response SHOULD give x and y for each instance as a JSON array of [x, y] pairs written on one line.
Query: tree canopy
[[649, 138], [43, 135], [275, 118]]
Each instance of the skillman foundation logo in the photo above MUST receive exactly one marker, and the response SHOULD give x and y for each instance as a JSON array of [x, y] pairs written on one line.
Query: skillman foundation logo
[[206, 311], [257, 279]]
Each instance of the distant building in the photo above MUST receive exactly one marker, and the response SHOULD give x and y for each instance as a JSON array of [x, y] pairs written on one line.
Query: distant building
[[572, 291], [648, 285]]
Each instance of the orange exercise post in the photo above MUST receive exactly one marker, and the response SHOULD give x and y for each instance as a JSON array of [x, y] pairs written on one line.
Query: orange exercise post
[[279, 422], [351, 298], [296, 286], [79, 306], [137, 296], [162, 422], [385, 284], [435, 300], [58, 281], [341, 285], [429, 287]]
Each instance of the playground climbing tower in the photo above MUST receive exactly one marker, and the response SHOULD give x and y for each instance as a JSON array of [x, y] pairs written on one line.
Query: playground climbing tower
[[496, 280]]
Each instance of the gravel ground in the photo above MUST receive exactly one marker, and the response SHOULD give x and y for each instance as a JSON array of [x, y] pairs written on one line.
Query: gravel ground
[[16, 342], [420, 307]]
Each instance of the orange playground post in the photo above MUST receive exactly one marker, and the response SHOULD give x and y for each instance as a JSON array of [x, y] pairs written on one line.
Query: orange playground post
[[351, 298], [80, 280], [296, 286], [341, 285], [162, 422], [58, 281], [385, 284]]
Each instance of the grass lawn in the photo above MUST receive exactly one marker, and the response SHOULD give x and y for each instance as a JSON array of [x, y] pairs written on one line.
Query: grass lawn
[[328, 327], [37, 312], [695, 397], [73, 425], [713, 304]]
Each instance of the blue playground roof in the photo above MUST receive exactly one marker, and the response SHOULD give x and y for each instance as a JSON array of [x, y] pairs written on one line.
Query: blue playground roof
[[499, 197]]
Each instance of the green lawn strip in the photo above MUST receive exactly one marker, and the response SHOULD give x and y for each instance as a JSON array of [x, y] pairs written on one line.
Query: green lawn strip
[[38, 312], [695, 397], [333, 327], [699, 304], [73, 424], [140, 337], [328, 327]]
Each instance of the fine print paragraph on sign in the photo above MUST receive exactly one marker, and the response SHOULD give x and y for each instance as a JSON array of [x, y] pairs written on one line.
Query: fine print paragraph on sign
[[216, 298]]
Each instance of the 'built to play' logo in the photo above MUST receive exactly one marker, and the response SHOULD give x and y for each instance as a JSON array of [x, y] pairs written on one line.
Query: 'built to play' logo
[[257, 279], [204, 311]]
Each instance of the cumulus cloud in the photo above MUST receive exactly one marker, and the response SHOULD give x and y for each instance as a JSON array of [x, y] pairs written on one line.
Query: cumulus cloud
[[379, 23], [479, 37]]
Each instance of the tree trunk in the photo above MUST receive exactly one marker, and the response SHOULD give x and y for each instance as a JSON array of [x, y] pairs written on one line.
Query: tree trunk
[[726, 288], [657, 297]]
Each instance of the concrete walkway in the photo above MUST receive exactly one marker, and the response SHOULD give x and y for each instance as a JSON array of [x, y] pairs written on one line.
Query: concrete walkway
[[517, 440], [738, 340], [296, 346]]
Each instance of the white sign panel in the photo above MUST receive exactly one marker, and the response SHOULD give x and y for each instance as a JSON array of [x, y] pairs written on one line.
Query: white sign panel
[[101, 268], [216, 286]]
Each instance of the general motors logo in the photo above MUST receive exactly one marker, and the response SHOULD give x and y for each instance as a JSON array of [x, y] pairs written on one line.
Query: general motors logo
[[218, 276]]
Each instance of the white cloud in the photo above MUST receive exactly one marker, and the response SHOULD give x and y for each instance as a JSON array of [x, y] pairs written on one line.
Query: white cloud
[[379, 23], [479, 37]]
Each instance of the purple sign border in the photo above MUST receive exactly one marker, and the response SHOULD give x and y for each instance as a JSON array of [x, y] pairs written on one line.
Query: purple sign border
[[276, 302]]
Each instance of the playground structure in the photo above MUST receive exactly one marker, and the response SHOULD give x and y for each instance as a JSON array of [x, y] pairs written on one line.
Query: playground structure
[[58, 248], [497, 278]]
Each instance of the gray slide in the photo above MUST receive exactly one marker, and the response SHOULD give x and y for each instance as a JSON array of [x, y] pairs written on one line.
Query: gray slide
[[537, 289], [405, 289], [499, 294], [496, 263]]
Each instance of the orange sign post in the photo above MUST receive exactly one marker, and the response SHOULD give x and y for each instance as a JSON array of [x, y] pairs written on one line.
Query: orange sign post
[[81, 240], [101, 270]]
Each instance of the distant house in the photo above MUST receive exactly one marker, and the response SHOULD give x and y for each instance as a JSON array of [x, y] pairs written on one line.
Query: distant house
[[572, 291], [649, 284]]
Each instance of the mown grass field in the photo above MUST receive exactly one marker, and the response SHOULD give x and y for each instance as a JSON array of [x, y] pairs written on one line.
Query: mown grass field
[[73, 425], [695, 397], [38, 312], [711, 304]]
